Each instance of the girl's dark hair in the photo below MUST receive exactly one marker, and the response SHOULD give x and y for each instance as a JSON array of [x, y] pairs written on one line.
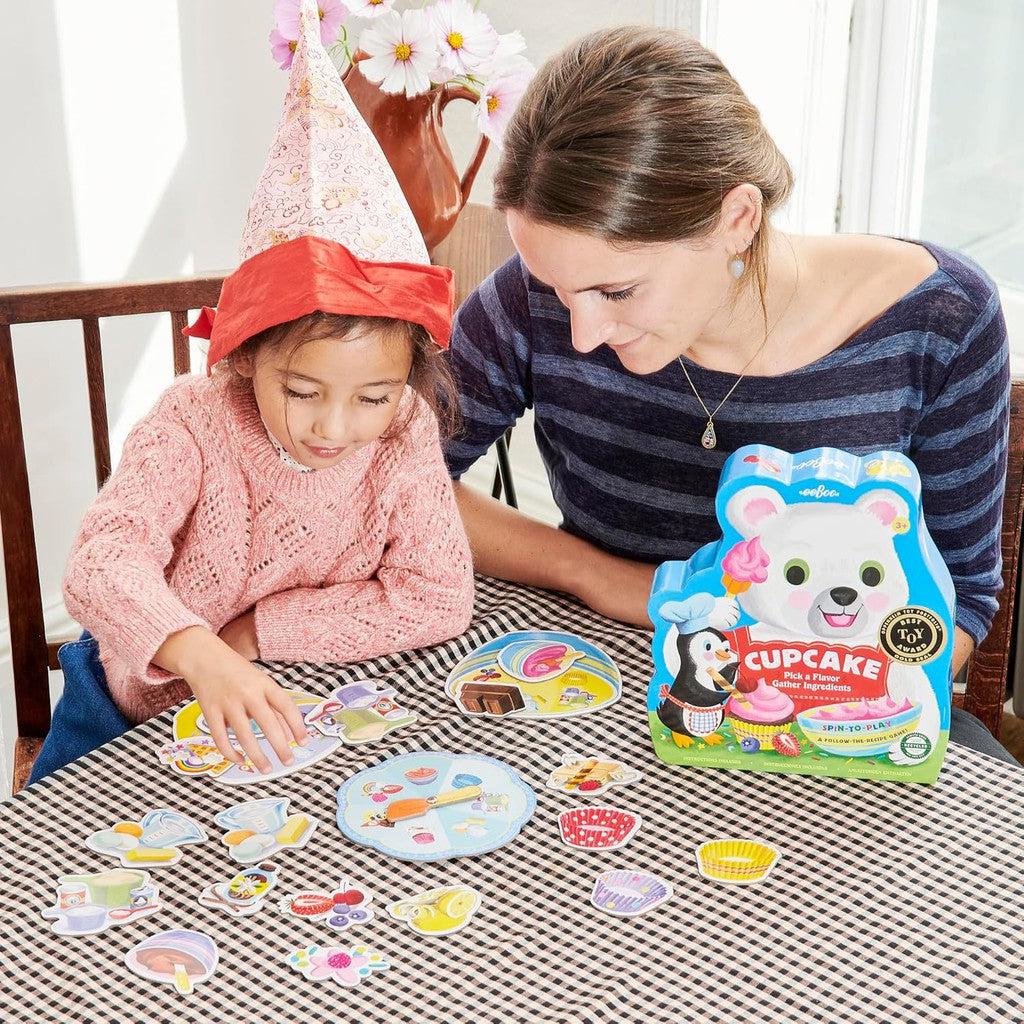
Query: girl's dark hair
[[635, 135], [430, 376]]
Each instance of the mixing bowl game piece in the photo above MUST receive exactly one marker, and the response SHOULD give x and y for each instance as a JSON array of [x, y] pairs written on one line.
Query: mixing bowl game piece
[[177, 957]]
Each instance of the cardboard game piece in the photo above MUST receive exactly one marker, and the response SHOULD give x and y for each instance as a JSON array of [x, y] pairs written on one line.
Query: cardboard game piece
[[534, 675], [346, 905], [243, 894], [590, 775], [259, 828], [817, 635], [344, 964], [628, 893], [736, 861], [178, 957], [437, 911], [153, 841], [87, 904], [360, 712], [445, 805], [192, 751], [598, 828]]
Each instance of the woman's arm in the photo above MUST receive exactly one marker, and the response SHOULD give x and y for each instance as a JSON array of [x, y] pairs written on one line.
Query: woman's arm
[[963, 648], [959, 446], [512, 546]]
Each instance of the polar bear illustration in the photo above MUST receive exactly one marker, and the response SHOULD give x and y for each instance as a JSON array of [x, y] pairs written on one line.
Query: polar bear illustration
[[833, 575]]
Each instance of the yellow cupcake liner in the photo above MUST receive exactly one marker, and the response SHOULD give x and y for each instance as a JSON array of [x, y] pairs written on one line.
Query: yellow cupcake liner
[[763, 733], [736, 861]]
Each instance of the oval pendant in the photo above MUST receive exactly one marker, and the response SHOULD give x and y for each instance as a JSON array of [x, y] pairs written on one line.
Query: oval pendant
[[708, 438]]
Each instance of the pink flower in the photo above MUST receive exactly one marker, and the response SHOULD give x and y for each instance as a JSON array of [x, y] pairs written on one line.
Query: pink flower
[[499, 98], [282, 49], [346, 966], [332, 14]]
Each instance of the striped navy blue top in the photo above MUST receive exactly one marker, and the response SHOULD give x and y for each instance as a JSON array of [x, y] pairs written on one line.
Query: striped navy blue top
[[929, 378]]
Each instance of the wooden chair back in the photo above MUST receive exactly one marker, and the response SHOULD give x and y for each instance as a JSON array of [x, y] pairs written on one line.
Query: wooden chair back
[[32, 654], [991, 666]]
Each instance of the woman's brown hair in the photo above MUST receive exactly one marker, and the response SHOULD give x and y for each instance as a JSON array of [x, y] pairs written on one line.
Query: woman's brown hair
[[429, 377], [635, 135]]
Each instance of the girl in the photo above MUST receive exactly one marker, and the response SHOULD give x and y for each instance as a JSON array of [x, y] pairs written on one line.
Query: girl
[[294, 505], [656, 322]]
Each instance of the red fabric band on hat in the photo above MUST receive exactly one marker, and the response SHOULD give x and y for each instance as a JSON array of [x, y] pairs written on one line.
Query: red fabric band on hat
[[307, 274]]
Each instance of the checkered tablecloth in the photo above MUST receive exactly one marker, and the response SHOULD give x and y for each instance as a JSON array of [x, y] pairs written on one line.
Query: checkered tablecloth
[[892, 903]]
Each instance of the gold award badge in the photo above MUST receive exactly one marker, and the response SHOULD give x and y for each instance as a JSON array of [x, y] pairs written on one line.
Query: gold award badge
[[913, 636]]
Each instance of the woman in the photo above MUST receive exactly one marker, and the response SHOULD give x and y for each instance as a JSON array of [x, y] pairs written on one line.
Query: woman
[[656, 322]]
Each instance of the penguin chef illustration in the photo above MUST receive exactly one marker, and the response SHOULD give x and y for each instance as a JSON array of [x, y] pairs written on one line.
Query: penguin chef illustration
[[694, 706]]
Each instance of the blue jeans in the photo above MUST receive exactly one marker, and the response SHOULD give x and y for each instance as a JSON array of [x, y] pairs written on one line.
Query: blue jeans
[[86, 716]]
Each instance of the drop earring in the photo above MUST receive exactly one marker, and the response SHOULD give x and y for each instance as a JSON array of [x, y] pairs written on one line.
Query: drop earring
[[736, 267]]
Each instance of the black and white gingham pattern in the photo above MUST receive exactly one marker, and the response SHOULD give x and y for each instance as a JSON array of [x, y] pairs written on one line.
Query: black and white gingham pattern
[[892, 903]]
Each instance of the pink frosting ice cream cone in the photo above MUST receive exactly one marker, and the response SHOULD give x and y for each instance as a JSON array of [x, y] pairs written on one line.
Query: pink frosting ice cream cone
[[744, 563]]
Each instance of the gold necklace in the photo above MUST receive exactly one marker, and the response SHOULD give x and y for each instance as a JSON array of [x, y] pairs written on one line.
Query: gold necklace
[[709, 439]]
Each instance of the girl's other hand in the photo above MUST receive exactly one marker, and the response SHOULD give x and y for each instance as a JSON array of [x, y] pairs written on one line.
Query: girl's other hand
[[240, 635]]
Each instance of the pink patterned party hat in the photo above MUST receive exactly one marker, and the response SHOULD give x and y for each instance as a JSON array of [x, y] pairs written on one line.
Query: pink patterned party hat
[[326, 174]]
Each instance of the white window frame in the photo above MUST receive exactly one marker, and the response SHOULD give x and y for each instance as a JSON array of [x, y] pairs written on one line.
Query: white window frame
[[791, 58], [883, 164]]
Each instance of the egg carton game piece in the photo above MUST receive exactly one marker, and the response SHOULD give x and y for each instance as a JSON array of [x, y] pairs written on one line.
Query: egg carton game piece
[[817, 635]]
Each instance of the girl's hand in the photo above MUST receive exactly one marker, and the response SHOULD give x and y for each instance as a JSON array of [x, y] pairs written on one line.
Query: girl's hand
[[235, 692], [240, 635], [231, 691]]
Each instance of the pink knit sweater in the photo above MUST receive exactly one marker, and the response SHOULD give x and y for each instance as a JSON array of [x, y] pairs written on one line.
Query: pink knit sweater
[[203, 521]]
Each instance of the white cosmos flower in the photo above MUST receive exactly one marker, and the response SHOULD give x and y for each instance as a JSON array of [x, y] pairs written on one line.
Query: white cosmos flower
[[507, 59], [370, 8], [465, 37], [403, 52]]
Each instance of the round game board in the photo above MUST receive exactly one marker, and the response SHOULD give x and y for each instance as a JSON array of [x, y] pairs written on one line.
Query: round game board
[[461, 829]]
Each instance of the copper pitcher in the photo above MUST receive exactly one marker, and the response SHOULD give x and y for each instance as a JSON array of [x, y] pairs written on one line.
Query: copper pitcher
[[410, 131]]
